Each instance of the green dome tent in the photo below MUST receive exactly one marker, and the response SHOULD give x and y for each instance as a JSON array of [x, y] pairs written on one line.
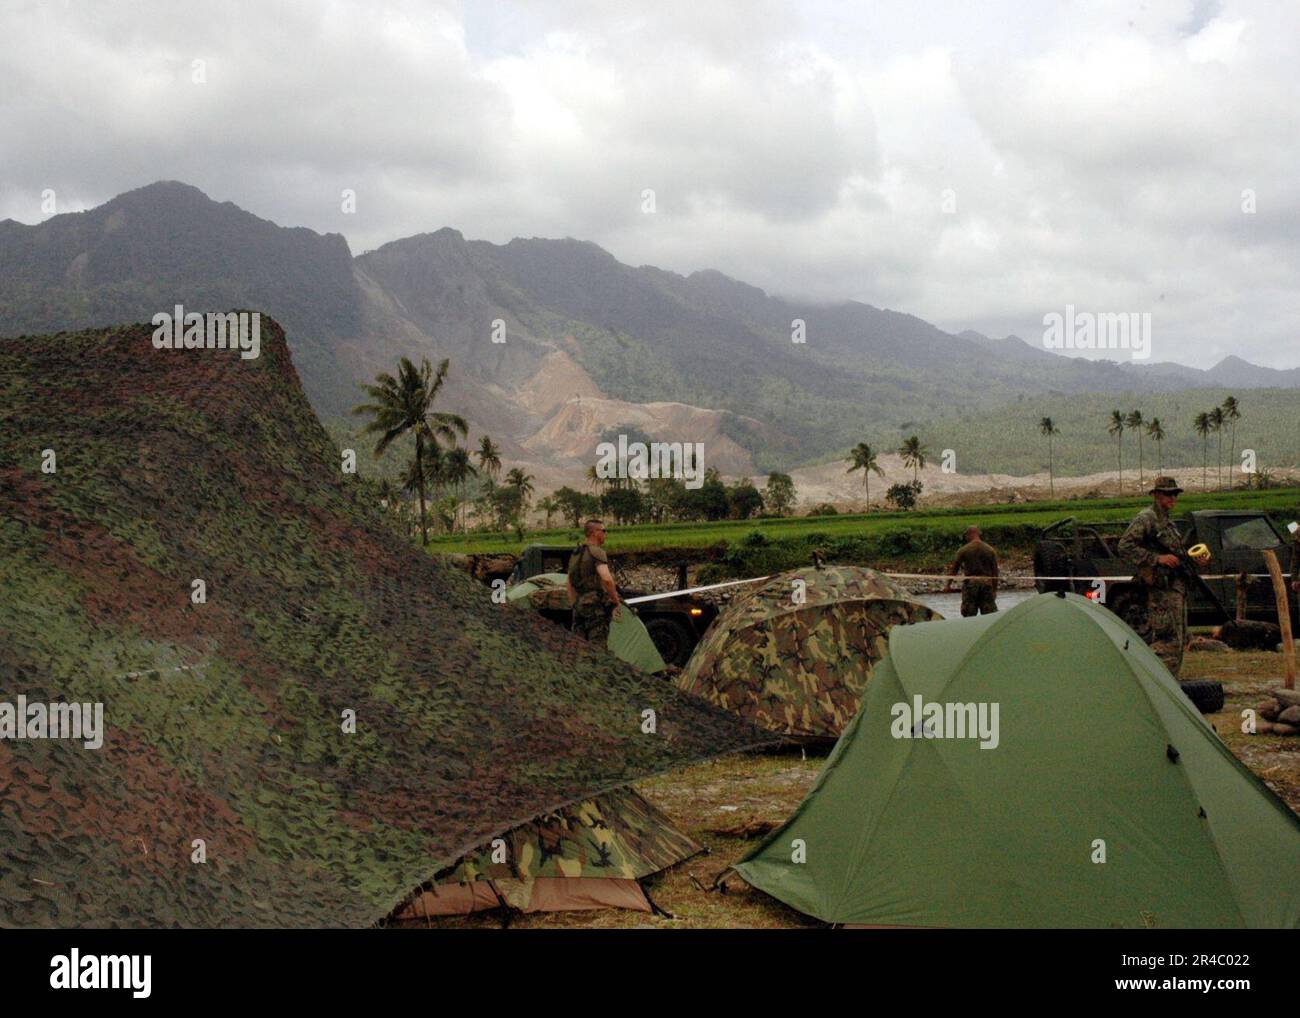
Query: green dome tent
[[1096, 755], [542, 582], [794, 654]]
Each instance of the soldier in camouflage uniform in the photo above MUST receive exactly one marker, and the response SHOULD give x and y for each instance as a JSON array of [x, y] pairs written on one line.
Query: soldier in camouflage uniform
[[1152, 544], [975, 558], [591, 586]]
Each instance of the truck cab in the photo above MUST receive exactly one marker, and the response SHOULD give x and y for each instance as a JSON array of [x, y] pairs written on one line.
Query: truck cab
[[1071, 553], [675, 624]]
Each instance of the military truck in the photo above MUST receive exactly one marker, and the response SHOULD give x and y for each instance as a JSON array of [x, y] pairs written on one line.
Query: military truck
[[1236, 538], [675, 624]]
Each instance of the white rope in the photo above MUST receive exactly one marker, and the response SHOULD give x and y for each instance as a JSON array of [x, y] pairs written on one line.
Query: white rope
[[693, 590], [1015, 578], [1077, 579]]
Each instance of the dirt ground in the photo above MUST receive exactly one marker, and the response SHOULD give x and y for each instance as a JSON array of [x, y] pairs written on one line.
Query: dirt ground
[[727, 795]]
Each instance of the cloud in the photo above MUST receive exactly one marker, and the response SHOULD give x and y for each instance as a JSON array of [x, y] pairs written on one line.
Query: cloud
[[976, 165]]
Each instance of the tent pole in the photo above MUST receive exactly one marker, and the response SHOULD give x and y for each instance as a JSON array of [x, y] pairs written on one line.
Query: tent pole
[[1283, 615]]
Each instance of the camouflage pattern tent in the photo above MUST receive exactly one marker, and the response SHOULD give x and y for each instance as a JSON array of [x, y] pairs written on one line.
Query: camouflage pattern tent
[[794, 654], [587, 855], [324, 722]]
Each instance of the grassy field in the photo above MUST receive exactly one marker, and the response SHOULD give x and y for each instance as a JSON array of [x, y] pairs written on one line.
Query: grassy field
[[715, 798], [924, 538]]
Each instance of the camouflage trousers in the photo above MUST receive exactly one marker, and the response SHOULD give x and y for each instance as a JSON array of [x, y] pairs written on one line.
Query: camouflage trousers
[[591, 620], [978, 599], [1164, 627]]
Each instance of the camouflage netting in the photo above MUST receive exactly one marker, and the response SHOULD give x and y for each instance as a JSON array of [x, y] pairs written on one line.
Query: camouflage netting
[[224, 720], [800, 668]]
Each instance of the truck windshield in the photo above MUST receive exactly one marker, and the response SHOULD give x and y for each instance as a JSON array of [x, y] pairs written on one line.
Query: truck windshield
[[1251, 535]]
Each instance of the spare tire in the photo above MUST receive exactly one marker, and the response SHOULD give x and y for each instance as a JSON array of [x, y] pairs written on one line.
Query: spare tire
[[1206, 694], [672, 639]]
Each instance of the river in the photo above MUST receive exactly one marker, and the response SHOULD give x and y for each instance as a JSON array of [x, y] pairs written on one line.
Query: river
[[949, 605]]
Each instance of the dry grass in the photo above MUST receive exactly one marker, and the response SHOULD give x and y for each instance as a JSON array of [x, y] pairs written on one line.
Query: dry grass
[[1246, 677], [766, 788]]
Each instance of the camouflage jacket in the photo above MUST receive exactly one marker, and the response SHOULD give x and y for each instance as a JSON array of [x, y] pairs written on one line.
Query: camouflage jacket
[[585, 579], [1150, 535]]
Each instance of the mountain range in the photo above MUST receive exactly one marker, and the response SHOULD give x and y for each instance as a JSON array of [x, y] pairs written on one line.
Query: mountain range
[[552, 342]]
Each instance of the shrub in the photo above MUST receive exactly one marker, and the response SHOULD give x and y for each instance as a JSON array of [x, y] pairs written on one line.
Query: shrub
[[903, 496]]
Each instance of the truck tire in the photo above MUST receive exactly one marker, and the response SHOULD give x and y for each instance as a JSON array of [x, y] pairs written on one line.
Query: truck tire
[[1130, 604], [1050, 559], [672, 639], [1206, 694]]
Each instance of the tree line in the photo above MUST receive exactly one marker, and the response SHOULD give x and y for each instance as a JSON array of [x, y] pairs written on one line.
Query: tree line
[[443, 476], [457, 483], [1221, 418]]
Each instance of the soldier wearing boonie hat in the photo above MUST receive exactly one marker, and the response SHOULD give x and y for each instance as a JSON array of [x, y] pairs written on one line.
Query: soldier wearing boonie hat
[[1152, 543]]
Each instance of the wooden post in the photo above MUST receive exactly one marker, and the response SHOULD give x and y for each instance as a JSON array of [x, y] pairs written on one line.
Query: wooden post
[[1283, 615], [1243, 586]]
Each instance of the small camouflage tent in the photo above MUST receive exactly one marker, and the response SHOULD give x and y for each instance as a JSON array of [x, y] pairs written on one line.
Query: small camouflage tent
[[794, 654], [591, 854], [1095, 796]]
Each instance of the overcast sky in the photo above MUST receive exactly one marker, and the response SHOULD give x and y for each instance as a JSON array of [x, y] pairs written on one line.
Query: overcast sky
[[1096, 153]]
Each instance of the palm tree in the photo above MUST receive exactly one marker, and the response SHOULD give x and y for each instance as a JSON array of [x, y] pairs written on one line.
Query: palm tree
[[458, 469], [522, 483], [914, 454], [549, 506], [863, 457], [1157, 433], [1202, 426], [1048, 428], [1216, 425], [594, 480], [403, 404], [489, 457], [1116, 428], [430, 470], [1135, 423], [1231, 414]]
